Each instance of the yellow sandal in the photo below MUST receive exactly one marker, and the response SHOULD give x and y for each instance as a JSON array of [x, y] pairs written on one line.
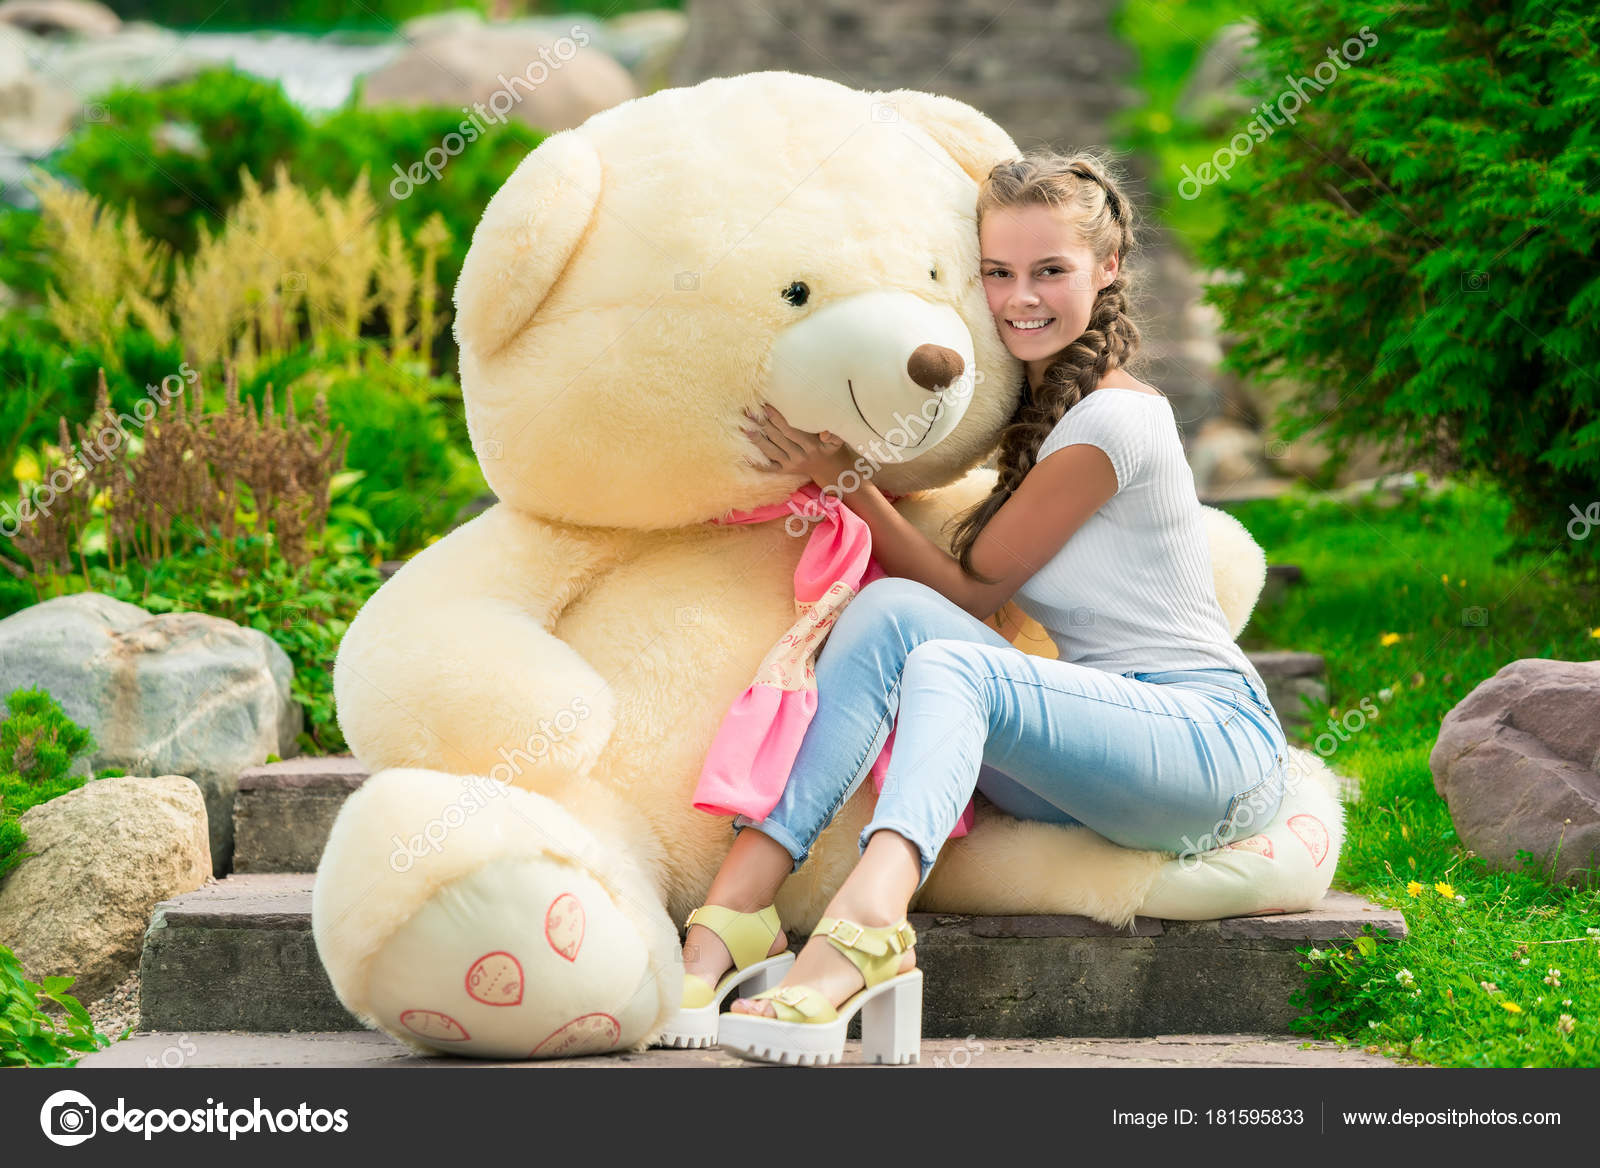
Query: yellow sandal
[[810, 1030], [748, 936]]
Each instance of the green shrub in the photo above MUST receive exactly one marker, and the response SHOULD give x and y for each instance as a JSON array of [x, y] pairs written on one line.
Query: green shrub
[[38, 744], [1419, 251], [31, 1038], [175, 155], [415, 474]]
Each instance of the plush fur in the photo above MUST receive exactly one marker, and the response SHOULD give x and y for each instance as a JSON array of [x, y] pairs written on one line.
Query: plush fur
[[628, 291]]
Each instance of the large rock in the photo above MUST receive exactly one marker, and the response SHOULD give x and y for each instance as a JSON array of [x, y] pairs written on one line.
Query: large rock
[[36, 113], [104, 856], [181, 693], [550, 82], [81, 18], [1516, 761], [146, 56]]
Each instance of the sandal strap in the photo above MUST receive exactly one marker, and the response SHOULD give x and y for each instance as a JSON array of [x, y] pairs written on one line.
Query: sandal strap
[[871, 949], [748, 936], [798, 1003]]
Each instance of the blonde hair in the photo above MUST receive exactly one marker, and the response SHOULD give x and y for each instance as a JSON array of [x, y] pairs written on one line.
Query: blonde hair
[[1082, 187]]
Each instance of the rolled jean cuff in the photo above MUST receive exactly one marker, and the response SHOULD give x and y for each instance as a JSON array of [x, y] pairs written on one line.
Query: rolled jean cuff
[[777, 834], [924, 856]]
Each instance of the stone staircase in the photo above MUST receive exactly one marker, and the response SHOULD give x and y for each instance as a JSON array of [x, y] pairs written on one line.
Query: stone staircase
[[238, 955]]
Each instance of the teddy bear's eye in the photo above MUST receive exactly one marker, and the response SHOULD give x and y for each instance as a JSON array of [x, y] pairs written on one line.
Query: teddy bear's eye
[[934, 273], [796, 293]]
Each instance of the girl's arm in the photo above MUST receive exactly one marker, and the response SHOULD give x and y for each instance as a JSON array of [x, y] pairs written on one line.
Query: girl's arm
[[1054, 499]]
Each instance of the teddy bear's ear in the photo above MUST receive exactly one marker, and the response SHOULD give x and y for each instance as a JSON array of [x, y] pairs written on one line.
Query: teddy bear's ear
[[528, 233], [972, 139]]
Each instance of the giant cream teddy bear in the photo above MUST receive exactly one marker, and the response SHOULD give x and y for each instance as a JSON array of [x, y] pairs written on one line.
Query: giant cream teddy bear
[[534, 693]]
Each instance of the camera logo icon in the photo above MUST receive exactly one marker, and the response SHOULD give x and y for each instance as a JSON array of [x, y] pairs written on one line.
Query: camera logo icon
[[68, 1118]]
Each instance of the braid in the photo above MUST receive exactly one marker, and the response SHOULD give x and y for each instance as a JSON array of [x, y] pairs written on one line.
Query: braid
[[1081, 186]]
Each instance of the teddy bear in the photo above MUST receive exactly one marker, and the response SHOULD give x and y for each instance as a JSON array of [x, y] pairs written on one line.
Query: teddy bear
[[533, 695]]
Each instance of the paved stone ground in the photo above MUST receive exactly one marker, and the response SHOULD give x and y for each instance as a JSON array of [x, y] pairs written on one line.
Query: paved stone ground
[[232, 1048]]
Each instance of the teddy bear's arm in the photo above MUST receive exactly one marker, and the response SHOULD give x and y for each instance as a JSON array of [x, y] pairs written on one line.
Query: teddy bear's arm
[[452, 665]]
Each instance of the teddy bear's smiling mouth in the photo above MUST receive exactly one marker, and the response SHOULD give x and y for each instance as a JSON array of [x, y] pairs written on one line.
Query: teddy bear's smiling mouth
[[874, 429]]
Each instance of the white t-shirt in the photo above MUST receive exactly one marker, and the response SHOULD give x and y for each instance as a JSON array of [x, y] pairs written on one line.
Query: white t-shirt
[[1132, 589]]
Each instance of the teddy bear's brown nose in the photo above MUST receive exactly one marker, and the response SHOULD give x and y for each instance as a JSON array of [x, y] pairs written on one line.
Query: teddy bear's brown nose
[[934, 366]]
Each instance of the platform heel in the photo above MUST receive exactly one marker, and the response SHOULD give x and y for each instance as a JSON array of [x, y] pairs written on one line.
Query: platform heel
[[809, 1030], [747, 936], [891, 1024]]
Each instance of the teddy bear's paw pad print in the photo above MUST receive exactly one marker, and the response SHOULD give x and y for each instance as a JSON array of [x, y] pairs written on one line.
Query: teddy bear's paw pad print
[[523, 952], [1313, 833], [495, 979], [434, 1026], [1259, 844], [589, 1034], [563, 925]]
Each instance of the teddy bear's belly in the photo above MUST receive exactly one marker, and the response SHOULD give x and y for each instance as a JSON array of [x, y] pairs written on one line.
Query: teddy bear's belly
[[677, 633]]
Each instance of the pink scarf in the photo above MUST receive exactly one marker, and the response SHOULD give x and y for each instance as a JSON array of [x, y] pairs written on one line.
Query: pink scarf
[[755, 747]]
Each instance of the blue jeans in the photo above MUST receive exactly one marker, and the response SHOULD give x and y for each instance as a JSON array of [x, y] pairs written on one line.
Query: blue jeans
[[1165, 761]]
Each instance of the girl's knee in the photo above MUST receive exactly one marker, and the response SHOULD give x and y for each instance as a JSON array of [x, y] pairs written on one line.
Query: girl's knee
[[893, 592], [943, 657]]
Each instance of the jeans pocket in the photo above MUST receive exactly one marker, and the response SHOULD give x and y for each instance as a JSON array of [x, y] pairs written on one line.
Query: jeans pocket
[[1249, 811]]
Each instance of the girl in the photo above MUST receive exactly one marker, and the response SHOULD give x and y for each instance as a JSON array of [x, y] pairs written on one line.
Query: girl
[[1152, 727]]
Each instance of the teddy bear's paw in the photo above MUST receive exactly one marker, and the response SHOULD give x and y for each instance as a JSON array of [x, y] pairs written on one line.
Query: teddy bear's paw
[[526, 957], [1283, 865]]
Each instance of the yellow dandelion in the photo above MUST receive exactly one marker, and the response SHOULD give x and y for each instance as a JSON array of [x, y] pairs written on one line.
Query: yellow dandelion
[[1445, 577], [1388, 639], [1512, 1007], [1594, 632], [1444, 890], [1413, 888]]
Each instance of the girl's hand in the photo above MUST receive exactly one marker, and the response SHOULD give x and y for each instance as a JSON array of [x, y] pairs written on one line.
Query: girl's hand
[[784, 450]]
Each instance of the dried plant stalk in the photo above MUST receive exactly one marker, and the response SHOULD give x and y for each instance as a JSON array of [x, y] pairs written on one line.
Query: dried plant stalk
[[183, 488]]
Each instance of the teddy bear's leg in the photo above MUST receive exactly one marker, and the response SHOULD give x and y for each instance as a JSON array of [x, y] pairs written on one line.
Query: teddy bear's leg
[[468, 917]]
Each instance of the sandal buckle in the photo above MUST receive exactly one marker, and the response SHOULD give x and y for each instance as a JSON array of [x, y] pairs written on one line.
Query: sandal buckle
[[904, 935], [833, 931], [789, 995]]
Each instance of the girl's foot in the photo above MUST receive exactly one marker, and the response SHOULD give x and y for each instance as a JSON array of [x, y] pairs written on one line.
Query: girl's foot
[[705, 954], [826, 970]]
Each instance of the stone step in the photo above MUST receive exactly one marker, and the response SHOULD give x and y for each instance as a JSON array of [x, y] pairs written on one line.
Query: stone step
[[367, 1048], [238, 955], [284, 810], [1289, 675]]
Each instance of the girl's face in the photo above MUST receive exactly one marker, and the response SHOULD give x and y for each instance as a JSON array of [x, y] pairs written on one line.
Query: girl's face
[[1040, 279]]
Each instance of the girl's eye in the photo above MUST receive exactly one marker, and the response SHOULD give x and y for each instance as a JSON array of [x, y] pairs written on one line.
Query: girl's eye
[[1052, 268]]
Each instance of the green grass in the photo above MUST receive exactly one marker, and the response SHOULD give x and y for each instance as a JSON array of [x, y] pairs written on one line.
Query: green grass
[[1422, 576]]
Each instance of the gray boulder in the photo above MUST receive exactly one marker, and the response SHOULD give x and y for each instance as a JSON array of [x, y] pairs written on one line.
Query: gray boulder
[[103, 857], [175, 694], [546, 81], [70, 18], [1517, 762]]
